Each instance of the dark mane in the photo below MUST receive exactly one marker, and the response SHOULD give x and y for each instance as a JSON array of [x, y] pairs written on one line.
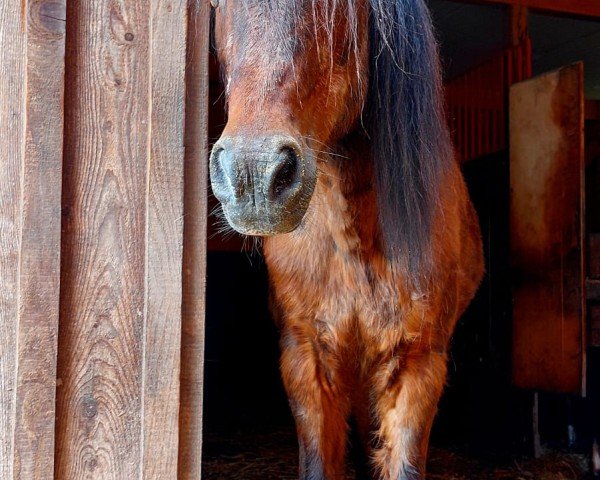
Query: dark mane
[[404, 111]]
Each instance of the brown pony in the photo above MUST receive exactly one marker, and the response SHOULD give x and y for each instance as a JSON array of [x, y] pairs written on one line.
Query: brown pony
[[336, 151]]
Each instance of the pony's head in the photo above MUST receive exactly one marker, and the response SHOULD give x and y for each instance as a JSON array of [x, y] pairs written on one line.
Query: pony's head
[[302, 74], [293, 83]]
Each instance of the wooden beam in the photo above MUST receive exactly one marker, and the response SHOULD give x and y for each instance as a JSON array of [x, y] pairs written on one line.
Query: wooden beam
[[194, 241], [518, 24], [100, 360], [164, 239], [40, 240], [583, 8], [32, 35], [12, 94]]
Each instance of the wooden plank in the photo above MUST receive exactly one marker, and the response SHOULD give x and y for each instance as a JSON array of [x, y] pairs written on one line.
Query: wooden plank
[[39, 269], [99, 397], [32, 36], [119, 362], [12, 117], [194, 242], [583, 8], [547, 231], [164, 236]]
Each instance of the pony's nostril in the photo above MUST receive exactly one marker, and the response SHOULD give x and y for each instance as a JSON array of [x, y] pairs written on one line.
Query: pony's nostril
[[218, 174], [286, 173], [225, 182]]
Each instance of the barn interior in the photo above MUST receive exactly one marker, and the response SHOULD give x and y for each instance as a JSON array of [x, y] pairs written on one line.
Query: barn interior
[[494, 421]]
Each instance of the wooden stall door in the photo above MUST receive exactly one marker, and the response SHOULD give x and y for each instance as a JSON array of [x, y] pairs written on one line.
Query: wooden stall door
[[547, 228]]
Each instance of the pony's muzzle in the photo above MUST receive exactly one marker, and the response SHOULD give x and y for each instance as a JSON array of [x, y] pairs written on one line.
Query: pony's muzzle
[[264, 184]]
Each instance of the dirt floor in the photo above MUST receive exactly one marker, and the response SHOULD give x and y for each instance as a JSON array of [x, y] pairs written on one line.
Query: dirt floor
[[273, 457]]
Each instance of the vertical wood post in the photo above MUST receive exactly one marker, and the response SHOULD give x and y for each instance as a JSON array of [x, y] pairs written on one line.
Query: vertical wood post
[[32, 35], [164, 240], [518, 24], [194, 253]]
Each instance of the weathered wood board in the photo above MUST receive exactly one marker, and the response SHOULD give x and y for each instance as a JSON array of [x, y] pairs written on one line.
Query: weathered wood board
[[547, 231], [32, 36], [195, 242], [119, 356]]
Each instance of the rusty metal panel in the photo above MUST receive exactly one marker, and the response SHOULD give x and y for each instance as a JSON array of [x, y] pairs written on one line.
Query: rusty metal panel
[[547, 228]]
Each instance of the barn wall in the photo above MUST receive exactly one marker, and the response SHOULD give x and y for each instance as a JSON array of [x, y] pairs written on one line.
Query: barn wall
[[101, 242]]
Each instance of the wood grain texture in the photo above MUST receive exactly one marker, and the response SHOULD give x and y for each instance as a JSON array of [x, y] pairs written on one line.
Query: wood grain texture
[[12, 118], [39, 268], [99, 395], [119, 360], [164, 233], [194, 253], [547, 231], [31, 128]]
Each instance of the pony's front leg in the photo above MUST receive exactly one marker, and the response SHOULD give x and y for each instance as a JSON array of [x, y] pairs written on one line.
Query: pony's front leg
[[407, 390], [319, 405]]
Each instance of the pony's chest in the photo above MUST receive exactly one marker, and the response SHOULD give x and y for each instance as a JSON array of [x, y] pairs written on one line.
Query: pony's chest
[[316, 275], [329, 273], [320, 262], [342, 302], [325, 275]]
